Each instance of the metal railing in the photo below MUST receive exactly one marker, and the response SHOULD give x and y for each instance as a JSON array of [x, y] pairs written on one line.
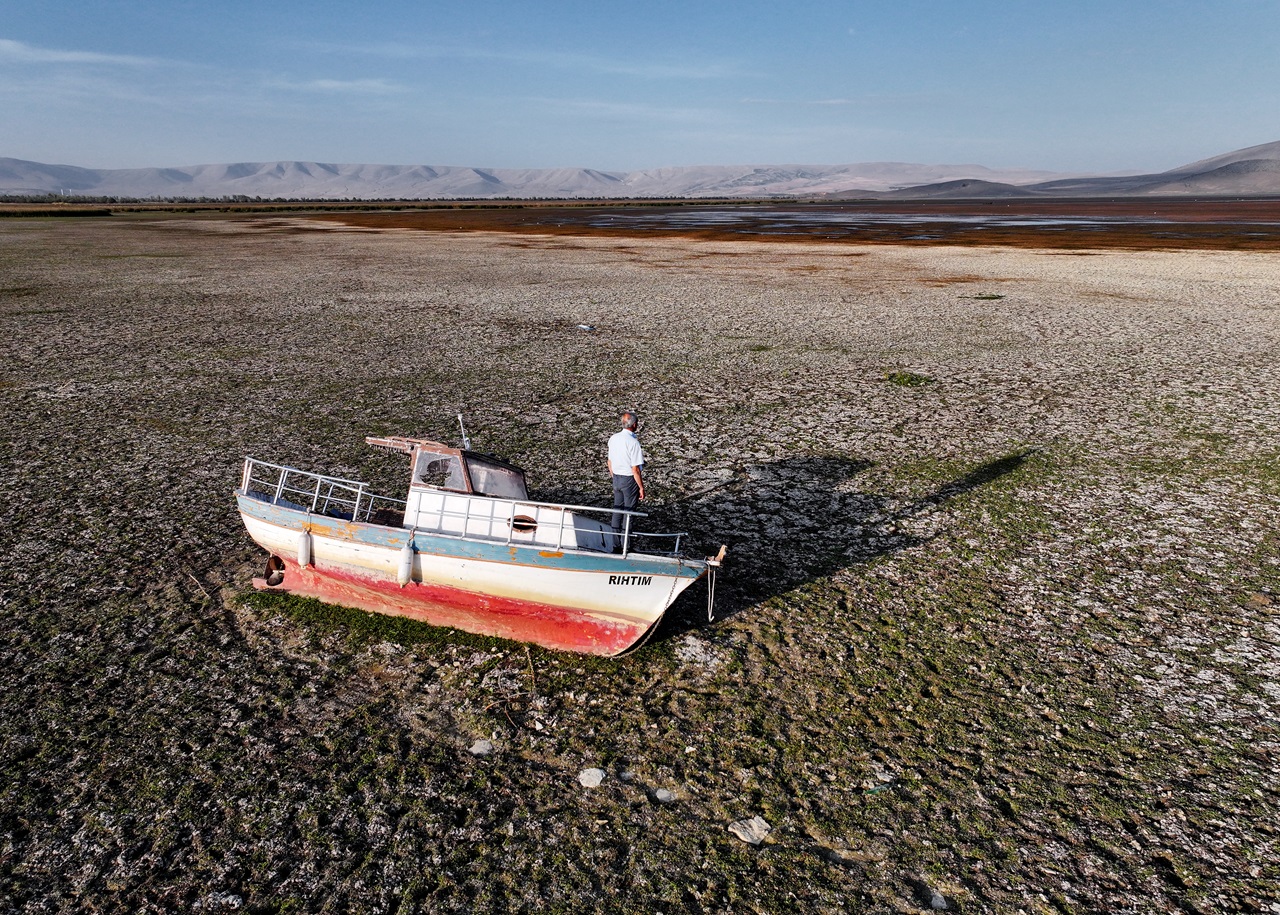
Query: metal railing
[[502, 526], [353, 501], [316, 492]]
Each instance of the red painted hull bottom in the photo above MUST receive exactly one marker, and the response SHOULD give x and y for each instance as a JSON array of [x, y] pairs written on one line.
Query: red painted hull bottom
[[523, 621]]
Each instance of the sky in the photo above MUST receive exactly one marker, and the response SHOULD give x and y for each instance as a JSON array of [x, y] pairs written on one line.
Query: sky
[[1062, 85]]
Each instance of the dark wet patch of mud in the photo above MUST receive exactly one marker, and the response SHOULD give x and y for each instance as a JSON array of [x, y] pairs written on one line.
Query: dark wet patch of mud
[[1248, 225]]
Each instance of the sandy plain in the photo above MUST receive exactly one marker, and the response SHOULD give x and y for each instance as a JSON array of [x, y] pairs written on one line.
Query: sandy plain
[[1000, 631]]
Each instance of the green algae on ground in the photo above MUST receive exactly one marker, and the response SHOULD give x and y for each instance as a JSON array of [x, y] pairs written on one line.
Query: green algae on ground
[[1009, 639]]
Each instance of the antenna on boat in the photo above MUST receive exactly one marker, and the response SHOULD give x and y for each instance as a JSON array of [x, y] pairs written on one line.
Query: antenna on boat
[[466, 441]]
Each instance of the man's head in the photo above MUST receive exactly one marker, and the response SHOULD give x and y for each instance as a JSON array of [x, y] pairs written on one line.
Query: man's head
[[630, 421]]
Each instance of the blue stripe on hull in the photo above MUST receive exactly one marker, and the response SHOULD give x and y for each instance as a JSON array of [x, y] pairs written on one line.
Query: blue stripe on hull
[[458, 548]]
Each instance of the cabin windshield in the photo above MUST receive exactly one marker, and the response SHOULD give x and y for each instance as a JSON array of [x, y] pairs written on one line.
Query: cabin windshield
[[442, 470], [499, 480]]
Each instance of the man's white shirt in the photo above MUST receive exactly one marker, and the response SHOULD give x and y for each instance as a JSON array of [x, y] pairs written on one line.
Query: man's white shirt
[[625, 452]]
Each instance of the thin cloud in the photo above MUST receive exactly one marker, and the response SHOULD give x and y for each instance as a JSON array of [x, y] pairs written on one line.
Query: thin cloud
[[628, 110], [865, 101], [818, 102], [790, 101], [657, 70], [387, 50], [19, 52], [647, 70], [339, 86]]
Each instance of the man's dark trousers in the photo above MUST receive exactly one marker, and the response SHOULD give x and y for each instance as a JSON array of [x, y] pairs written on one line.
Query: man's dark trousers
[[626, 495]]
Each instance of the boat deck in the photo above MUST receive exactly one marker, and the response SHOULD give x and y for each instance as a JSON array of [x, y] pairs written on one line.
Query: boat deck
[[442, 512]]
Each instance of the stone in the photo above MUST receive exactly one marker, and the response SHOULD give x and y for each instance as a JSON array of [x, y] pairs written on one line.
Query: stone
[[752, 831], [591, 778], [222, 901], [663, 796], [481, 748], [931, 897]]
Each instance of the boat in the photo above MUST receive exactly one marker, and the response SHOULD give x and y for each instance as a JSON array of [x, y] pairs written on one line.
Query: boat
[[467, 548]]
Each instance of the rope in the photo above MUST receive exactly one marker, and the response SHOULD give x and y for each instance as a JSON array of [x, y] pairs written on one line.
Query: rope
[[654, 627], [643, 639], [711, 594]]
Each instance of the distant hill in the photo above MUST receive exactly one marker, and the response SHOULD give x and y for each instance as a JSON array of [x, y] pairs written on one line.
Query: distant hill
[[326, 181], [1264, 152], [1250, 172], [959, 190]]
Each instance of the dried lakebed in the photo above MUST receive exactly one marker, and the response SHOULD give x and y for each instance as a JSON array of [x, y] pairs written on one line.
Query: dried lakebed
[[1000, 630]]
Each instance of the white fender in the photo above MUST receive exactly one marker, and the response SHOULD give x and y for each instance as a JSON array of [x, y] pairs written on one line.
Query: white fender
[[404, 574], [304, 549]]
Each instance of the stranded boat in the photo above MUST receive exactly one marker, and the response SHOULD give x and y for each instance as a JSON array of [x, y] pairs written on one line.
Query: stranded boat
[[466, 549]]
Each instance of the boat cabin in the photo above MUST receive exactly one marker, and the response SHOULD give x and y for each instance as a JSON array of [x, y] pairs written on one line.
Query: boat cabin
[[461, 492], [456, 470]]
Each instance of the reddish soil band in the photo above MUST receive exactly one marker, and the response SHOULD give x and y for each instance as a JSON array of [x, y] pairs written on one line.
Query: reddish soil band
[[1217, 224]]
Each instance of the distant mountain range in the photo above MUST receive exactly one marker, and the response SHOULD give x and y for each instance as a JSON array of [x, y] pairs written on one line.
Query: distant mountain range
[[1248, 172]]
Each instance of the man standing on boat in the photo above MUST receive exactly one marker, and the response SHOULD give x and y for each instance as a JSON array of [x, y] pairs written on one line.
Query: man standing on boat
[[626, 466]]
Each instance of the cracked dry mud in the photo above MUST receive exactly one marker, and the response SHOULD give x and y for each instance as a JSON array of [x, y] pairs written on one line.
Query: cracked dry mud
[[1001, 633]]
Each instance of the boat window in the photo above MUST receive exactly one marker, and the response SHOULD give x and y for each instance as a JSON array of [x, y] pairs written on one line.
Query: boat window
[[442, 470], [496, 479]]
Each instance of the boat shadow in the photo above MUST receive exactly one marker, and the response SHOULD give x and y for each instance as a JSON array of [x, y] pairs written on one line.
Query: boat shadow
[[790, 522]]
